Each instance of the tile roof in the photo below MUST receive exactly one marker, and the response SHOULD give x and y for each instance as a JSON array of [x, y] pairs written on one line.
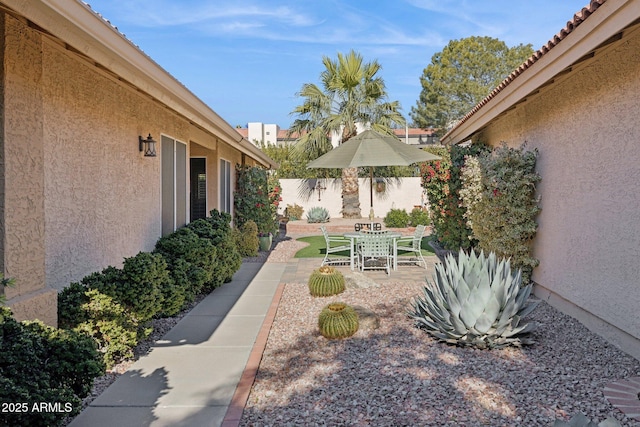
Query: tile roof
[[578, 19]]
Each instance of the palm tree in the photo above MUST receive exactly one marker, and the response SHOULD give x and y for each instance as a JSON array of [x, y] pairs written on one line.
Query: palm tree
[[351, 94]]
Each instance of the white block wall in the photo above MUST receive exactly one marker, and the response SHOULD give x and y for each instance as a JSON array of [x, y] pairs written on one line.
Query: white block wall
[[405, 193]]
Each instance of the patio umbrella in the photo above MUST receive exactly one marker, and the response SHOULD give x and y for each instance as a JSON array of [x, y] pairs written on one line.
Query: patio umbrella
[[370, 149]]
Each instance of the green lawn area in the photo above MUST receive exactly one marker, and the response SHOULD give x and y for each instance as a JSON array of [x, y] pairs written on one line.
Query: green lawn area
[[317, 246]]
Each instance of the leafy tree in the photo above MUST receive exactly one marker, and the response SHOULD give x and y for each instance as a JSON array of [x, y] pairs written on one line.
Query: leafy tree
[[351, 92], [461, 76]]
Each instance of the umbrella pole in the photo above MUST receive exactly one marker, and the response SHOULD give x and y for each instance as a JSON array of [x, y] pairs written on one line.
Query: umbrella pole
[[371, 214]]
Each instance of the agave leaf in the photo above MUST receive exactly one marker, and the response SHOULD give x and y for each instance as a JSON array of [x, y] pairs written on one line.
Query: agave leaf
[[579, 420], [531, 305], [610, 422], [488, 317], [426, 323], [458, 325], [508, 311]]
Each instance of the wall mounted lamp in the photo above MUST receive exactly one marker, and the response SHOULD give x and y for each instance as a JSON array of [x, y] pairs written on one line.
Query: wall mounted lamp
[[147, 145]]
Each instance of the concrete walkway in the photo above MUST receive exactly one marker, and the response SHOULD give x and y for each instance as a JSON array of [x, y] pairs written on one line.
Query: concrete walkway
[[190, 377]]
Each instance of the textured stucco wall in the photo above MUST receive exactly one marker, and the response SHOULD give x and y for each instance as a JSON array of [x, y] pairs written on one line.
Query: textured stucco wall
[[77, 195], [587, 131], [102, 197], [23, 165]]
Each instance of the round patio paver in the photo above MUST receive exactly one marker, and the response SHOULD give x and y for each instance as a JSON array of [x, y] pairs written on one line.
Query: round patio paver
[[625, 395]]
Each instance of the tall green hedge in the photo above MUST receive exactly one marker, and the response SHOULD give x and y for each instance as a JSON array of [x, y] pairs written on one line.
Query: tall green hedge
[[504, 216]]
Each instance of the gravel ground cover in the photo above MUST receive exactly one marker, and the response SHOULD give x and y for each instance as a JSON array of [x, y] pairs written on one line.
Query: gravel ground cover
[[397, 375]]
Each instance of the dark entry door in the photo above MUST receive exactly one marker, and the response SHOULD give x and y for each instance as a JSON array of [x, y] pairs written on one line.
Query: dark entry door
[[198, 188]]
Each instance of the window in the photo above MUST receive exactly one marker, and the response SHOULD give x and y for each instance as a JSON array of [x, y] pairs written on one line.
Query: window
[[174, 184], [225, 186]]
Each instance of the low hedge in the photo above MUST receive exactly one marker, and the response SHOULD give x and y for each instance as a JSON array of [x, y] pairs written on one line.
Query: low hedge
[[38, 364], [246, 239], [115, 306], [105, 315]]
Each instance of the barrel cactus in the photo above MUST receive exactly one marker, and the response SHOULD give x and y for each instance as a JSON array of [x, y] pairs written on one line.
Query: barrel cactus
[[326, 281], [338, 320], [475, 301]]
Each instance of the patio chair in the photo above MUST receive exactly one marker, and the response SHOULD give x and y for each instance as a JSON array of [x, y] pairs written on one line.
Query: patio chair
[[374, 251], [411, 244], [335, 244], [358, 226]]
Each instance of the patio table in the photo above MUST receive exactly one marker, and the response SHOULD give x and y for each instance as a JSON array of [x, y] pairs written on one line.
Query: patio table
[[353, 238]]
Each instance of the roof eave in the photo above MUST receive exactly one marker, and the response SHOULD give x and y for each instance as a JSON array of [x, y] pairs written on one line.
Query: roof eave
[[77, 25]]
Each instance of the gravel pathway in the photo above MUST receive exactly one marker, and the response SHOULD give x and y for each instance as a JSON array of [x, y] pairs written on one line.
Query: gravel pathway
[[397, 375]]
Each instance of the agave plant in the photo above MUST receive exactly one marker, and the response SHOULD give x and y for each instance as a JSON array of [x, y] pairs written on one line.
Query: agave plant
[[475, 301], [317, 214]]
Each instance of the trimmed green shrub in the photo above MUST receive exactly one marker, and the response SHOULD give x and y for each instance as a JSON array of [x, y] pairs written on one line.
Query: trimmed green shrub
[[43, 364], [246, 239], [396, 218], [229, 261], [137, 286], [70, 301], [174, 292], [112, 327], [191, 260], [71, 358], [294, 212], [419, 216], [144, 277], [217, 229], [115, 332]]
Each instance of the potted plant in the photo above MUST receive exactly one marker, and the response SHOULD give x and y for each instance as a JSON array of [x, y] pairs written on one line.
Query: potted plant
[[264, 240]]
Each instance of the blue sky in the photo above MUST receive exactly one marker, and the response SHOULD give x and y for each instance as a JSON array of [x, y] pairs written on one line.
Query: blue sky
[[247, 59]]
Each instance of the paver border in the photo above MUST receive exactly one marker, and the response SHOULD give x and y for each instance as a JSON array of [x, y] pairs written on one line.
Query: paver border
[[241, 395]]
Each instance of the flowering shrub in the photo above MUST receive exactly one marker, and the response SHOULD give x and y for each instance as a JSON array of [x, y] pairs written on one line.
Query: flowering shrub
[[275, 195], [251, 199], [503, 216], [442, 182], [471, 190]]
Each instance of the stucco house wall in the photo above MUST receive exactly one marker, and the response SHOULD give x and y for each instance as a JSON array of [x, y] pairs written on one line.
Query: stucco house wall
[[585, 127], [77, 195], [587, 134]]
